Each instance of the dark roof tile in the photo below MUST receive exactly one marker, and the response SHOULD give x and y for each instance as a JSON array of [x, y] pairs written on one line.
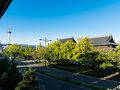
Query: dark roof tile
[[66, 39], [104, 40]]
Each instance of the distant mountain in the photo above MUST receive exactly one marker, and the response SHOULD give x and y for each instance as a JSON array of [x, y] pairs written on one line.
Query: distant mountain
[[23, 45]]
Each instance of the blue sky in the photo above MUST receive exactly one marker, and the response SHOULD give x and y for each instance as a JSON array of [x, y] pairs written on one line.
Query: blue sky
[[30, 20]]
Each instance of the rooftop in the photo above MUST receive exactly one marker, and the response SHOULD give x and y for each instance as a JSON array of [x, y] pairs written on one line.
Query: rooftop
[[103, 40], [66, 39]]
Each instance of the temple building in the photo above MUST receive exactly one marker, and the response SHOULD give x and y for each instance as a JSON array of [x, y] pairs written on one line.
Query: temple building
[[103, 42], [66, 39]]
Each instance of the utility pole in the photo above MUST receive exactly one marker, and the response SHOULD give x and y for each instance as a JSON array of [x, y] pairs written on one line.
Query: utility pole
[[45, 40]]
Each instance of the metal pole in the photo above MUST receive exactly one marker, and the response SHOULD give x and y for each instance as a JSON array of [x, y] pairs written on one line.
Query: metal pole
[[45, 53], [45, 40]]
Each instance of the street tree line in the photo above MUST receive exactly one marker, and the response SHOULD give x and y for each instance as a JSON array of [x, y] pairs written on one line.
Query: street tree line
[[82, 52], [16, 50]]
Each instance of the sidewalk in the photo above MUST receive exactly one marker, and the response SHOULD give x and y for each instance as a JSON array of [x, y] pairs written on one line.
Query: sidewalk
[[79, 77]]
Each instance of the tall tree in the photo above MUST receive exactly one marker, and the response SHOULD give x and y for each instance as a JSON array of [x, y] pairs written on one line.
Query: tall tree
[[50, 52], [29, 82], [39, 53], [82, 47], [57, 50], [28, 51], [8, 74], [14, 50], [67, 49]]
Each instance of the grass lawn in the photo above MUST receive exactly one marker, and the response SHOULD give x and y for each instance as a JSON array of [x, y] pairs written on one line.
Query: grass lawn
[[76, 69]]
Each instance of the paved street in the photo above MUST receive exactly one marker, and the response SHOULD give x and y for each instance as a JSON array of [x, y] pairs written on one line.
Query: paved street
[[78, 77], [54, 84], [50, 83], [84, 78]]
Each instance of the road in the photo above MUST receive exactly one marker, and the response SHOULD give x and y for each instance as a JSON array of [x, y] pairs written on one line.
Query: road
[[77, 77], [54, 84]]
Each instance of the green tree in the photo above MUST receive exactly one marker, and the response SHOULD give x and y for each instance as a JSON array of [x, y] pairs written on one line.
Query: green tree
[[82, 47], [28, 51], [84, 53], [29, 82], [118, 48], [67, 49], [9, 74], [105, 59], [39, 53], [57, 50], [4, 65], [50, 52], [117, 56], [13, 50]]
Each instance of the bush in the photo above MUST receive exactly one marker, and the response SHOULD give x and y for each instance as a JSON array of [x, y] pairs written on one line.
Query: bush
[[9, 74], [4, 65], [29, 82], [63, 61]]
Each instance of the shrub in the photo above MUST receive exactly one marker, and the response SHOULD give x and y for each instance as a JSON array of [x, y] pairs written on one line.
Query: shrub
[[9, 73], [29, 82]]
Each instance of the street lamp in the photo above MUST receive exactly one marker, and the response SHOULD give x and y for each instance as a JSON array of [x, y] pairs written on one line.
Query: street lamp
[[45, 40]]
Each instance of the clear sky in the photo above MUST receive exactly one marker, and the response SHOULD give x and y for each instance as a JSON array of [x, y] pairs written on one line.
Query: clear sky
[[30, 20]]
